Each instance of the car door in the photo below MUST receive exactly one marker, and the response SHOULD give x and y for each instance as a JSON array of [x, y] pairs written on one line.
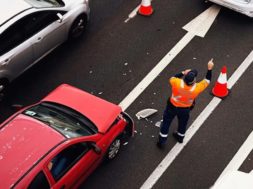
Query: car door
[[16, 52], [50, 30], [72, 164]]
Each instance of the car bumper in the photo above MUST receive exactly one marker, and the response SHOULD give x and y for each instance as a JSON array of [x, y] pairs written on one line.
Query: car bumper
[[242, 7]]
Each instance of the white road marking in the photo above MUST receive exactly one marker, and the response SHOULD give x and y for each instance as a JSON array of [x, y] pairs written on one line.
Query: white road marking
[[161, 168], [129, 99], [206, 18], [239, 157], [132, 14]]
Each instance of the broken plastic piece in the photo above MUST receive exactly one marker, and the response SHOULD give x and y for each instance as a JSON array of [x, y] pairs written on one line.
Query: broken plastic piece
[[145, 113]]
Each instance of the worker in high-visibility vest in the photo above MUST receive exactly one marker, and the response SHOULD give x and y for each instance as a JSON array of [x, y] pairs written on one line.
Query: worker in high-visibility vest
[[185, 90]]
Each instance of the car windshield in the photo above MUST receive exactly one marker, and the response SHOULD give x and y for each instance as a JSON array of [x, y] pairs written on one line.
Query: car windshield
[[45, 3], [63, 119]]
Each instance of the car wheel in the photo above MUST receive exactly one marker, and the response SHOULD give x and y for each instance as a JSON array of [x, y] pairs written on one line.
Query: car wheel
[[78, 27], [113, 149]]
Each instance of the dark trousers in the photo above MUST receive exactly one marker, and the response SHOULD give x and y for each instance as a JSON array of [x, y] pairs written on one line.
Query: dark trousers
[[169, 114]]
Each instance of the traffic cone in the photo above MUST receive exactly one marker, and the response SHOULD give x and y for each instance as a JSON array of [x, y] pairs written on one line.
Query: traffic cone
[[220, 89], [145, 8]]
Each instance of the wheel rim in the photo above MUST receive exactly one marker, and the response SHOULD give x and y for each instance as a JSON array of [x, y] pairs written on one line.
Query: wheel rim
[[78, 28], [114, 149]]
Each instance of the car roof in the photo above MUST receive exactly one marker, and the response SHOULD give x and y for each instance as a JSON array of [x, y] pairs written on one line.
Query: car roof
[[9, 9], [23, 141], [101, 112]]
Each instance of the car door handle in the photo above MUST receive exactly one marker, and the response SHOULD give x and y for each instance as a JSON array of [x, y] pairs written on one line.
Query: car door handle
[[6, 61], [39, 39]]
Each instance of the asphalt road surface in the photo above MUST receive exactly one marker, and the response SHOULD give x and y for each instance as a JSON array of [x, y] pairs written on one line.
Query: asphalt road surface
[[114, 56]]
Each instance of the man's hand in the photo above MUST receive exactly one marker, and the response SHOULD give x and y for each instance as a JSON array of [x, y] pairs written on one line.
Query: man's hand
[[186, 71], [210, 64]]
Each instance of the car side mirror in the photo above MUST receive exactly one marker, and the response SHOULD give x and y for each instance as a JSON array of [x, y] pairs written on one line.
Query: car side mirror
[[95, 148], [60, 17]]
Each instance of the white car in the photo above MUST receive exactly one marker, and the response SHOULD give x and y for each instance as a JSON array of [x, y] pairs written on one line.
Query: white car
[[242, 6], [30, 29]]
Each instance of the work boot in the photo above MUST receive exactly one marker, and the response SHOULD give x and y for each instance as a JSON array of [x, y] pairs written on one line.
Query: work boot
[[159, 145], [177, 137]]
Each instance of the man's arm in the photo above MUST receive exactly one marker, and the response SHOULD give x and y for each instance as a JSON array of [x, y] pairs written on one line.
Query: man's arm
[[210, 65], [183, 73]]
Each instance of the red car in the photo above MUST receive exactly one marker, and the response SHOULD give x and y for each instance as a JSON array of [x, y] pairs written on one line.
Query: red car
[[59, 141]]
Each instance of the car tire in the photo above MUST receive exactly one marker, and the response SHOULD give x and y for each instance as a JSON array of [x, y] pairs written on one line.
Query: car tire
[[78, 27], [113, 149]]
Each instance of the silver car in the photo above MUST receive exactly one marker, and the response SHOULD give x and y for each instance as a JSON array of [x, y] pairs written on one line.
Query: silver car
[[30, 29], [242, 6]]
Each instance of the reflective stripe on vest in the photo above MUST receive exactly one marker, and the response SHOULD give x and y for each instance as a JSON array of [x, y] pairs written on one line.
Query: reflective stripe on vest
[[185, 100]]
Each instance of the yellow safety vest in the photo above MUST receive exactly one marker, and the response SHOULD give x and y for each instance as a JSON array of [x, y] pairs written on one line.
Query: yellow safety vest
[[184, 95]]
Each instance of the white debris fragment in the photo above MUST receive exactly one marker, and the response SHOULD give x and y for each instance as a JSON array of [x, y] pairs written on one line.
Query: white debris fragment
[[158, 123], [140, 133], [135, 131], [124, 74], [194, 58], [90, 71], [125, 63], [100, 93], [153, 136], [125, 143], [154, 93], [145, 113]]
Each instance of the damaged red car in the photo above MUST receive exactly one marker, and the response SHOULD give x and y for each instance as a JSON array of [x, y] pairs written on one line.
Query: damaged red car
[[59, 141]]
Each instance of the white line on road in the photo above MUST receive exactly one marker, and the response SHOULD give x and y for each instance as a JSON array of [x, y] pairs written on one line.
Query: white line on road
[[200, 26], [129, 99], [132, 14], [161, 168], [240, 156]]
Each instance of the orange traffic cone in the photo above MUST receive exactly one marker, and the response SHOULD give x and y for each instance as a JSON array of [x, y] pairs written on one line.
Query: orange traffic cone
[[145, 8], [220, 89]]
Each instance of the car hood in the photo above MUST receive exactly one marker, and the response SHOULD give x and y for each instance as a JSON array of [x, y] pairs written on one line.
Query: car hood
[[101, 112]]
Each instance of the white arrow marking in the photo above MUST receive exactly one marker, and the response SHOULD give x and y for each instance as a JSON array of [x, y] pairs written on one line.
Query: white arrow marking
[[210, 14], [201, 24], [161, 168]]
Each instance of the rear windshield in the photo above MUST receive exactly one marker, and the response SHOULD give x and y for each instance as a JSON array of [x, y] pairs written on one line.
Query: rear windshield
[[45, 3], [68, 122]]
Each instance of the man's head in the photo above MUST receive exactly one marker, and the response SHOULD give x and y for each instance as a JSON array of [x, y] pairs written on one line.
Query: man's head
[[190, 77]]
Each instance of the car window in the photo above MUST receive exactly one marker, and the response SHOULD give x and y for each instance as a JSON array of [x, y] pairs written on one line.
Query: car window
[[63, 122], [40, 181], [24, 29], [38, 21], [11, 38], [66, 159]]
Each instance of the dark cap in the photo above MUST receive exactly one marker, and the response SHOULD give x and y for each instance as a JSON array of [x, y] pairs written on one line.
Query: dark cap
[[189, 78]]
